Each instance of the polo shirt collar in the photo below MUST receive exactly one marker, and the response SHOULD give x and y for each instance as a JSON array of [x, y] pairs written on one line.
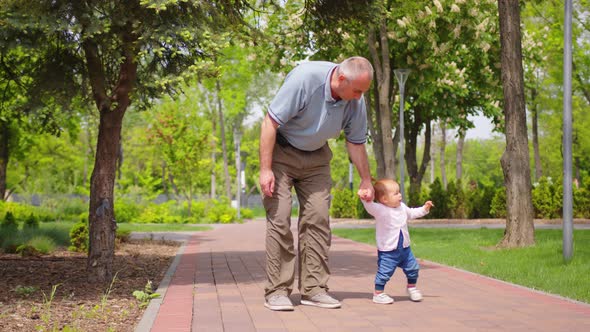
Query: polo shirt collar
[[327, 89]]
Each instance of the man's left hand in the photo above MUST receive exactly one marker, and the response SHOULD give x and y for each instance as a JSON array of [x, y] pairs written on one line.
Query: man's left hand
[[366, 191]]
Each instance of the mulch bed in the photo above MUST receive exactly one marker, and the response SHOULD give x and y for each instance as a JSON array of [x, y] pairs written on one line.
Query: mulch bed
[[26, 285]]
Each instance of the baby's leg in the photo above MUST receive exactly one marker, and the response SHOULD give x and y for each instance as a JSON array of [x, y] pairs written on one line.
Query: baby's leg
[[411, 269], [387, 261]]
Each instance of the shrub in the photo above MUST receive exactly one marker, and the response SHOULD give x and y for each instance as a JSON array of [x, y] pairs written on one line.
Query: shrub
[[25, 291], [69, 208], [247, 213], [79, 237], [32, 222], [439, 197], [361, 212], [546, 199], [498, 207], [221, 212], [479, 200], [26, 250], [19, 211], [159, 213], [42, 244], [581, 203], [197, 212], [415, 197], [22, 211], [343, 204], [126, 210], [122, 236], [9, 223], [456, 199]]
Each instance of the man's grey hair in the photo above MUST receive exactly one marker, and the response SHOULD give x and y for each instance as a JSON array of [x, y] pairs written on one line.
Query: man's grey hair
[[352, 67]]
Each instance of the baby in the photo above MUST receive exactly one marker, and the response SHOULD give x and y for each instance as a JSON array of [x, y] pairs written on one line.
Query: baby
[[393, 238]]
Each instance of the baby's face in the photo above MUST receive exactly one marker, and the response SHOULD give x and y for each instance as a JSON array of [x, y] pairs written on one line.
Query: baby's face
[[393, 197]]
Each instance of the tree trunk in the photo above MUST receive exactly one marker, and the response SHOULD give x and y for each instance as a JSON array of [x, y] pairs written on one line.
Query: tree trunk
[[383, 83], [173, 184], [4, 155], [102, 223], [515, 160], [375, 131], [432, 164], [443, 146], [459, 156], [213, 193], [223, 142], [102, 216], [163, 179], [89, 152], [416, 173], [119, 157], [578, 176], [535, 120]]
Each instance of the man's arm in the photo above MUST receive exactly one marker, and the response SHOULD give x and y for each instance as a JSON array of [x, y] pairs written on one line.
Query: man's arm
[[268, 134], [358, 156]]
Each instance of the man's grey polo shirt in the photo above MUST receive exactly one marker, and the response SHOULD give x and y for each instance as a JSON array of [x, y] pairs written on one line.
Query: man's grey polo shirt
[[308, 115]]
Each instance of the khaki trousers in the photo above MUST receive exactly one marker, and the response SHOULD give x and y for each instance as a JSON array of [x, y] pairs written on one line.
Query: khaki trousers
[[309, 173]]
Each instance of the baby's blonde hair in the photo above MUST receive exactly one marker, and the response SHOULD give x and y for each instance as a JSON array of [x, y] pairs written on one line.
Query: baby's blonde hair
[[384, 186]]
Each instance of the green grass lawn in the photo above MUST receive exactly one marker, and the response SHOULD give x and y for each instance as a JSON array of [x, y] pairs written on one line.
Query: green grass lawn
[[66, 226], [60, 231], [539, 267], [162, 227]]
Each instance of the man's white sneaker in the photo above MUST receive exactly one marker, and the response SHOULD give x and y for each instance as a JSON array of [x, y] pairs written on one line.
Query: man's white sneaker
[[279, 302], [382, 298], [322, 300], [414, 294]]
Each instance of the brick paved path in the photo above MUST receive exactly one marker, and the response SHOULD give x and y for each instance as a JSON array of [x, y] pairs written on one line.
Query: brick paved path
[[219, 279]]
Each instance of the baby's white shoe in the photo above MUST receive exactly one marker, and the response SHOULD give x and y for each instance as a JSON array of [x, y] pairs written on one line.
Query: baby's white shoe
[[414, 294]]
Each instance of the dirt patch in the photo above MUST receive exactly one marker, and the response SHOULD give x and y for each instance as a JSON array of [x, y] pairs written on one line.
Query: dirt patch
[[26, 285]]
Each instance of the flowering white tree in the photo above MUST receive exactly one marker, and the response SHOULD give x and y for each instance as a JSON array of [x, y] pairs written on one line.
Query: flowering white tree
[[452, 47]]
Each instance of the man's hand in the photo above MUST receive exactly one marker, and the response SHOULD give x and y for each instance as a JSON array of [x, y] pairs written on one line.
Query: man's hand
[[428, 205], [366, 191], [267, 182]]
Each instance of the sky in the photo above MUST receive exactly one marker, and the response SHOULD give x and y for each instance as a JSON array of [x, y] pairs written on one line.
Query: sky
[[483, 128]]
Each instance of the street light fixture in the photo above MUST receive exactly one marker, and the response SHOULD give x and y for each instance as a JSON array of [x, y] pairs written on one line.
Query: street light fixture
[[401, 75]]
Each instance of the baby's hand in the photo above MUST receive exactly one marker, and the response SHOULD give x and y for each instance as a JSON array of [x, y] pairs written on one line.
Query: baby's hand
[[364, 194], [428, 205]]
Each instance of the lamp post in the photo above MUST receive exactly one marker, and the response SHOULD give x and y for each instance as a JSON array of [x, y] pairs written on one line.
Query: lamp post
[[401, 75], [237, 137], [567, 135]]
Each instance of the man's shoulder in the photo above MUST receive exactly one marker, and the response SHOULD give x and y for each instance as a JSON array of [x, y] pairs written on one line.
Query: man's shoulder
[[317, 65], [315, 69]]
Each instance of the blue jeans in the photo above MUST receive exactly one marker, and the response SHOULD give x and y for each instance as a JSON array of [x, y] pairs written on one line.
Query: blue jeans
[[387, 261]]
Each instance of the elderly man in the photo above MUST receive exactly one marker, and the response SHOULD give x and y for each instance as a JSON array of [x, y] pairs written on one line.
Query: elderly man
[[316, 102]]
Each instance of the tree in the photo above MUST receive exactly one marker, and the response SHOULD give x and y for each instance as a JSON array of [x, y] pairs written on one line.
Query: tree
[[543, 51], [121, 51], [182, 132], [450, 46], [459, 155], [26, 105], [515, 160], [242, 85]]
